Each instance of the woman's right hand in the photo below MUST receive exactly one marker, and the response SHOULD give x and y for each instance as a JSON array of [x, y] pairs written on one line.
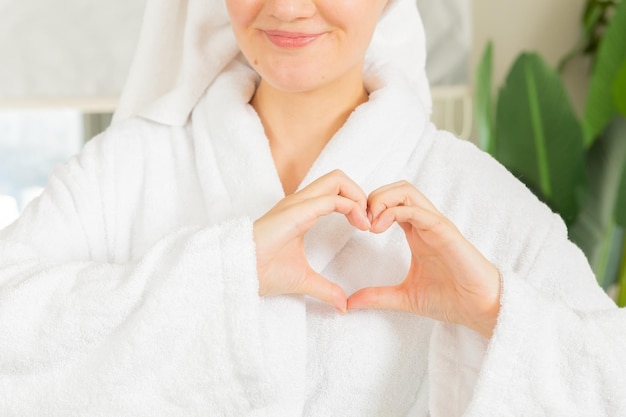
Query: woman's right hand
[[282, 265]]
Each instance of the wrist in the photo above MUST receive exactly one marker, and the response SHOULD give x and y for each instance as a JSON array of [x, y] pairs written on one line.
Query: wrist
[[488, 308]]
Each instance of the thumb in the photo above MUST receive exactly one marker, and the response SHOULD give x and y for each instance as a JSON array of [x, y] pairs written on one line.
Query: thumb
[[383, 298], [322, 289]]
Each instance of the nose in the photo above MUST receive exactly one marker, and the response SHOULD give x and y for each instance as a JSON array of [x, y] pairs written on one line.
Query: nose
[[291, 10]]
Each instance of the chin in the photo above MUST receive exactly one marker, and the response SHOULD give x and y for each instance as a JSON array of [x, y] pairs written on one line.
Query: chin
[[295, 87], [295, 84], [293, 75]]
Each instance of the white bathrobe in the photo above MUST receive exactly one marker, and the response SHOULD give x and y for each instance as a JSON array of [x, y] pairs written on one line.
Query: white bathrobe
[[129, 288]]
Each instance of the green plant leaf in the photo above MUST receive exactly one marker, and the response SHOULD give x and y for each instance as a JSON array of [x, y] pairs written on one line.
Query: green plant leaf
[[619, 90], [600, 107], [538, 136], [597, 230], [593, 21], [621, 299], [620, 203], [484, 106]]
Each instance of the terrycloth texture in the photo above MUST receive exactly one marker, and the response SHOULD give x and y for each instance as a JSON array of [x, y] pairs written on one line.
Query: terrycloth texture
[[185, 44], [129, 287]]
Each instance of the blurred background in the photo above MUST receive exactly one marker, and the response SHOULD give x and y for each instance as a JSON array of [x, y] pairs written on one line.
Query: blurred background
[[64, 63], [62, 68]]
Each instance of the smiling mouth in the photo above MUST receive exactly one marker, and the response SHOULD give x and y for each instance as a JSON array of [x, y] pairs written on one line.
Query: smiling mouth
[[291, 39]]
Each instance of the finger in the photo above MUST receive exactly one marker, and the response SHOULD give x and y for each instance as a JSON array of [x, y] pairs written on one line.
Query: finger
[[401, 193], [418, 217], [434, 228], [384, 298], [322, 289], [335, 183], [306, 214], [279, 227]]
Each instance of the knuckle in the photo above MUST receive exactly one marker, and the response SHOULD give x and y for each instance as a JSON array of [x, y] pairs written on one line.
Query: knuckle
[[337, 173], [334, 293], [439, 225]]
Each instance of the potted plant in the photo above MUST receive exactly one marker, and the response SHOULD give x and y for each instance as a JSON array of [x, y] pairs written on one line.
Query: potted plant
[[576, 164]]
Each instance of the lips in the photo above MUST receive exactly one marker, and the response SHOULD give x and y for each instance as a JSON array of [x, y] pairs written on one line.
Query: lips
[[291, 39]]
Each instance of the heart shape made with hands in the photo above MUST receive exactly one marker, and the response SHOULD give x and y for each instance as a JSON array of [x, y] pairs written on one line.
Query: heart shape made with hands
[[448, 278]]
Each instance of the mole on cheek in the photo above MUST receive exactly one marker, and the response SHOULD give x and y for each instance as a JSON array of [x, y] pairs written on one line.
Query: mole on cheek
[[255, 62]]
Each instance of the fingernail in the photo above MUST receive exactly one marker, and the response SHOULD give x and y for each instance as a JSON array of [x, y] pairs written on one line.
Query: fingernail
[[353, 307], [366, 220], [342, 307]]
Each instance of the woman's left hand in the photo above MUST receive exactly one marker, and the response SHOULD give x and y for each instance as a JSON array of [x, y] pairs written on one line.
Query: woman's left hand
[[448, 279]]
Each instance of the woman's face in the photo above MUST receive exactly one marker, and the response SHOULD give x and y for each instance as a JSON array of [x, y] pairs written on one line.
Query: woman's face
[[303, 45]]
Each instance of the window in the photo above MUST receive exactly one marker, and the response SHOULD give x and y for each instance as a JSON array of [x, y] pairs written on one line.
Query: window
[[32, 142]]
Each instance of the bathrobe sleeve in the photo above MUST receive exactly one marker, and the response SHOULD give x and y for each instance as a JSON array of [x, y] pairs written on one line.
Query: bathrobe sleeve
[[559, 345], [172, 331]]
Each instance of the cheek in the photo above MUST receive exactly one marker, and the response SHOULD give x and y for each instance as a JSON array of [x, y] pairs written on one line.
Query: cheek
[[356, 19], [249, 45], [242, 12]]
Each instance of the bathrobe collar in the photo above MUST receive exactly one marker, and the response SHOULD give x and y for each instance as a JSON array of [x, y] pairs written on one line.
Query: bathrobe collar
[[236, 167]]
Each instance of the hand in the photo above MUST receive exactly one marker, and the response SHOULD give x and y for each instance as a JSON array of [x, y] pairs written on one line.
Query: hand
[[448, 279], [279, 235]]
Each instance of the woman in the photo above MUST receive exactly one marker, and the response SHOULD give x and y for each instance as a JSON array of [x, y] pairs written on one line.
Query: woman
[[190, 261]]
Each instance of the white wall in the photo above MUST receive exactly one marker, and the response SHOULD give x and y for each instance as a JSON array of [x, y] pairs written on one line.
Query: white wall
[[65, 50], [550, 27]]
